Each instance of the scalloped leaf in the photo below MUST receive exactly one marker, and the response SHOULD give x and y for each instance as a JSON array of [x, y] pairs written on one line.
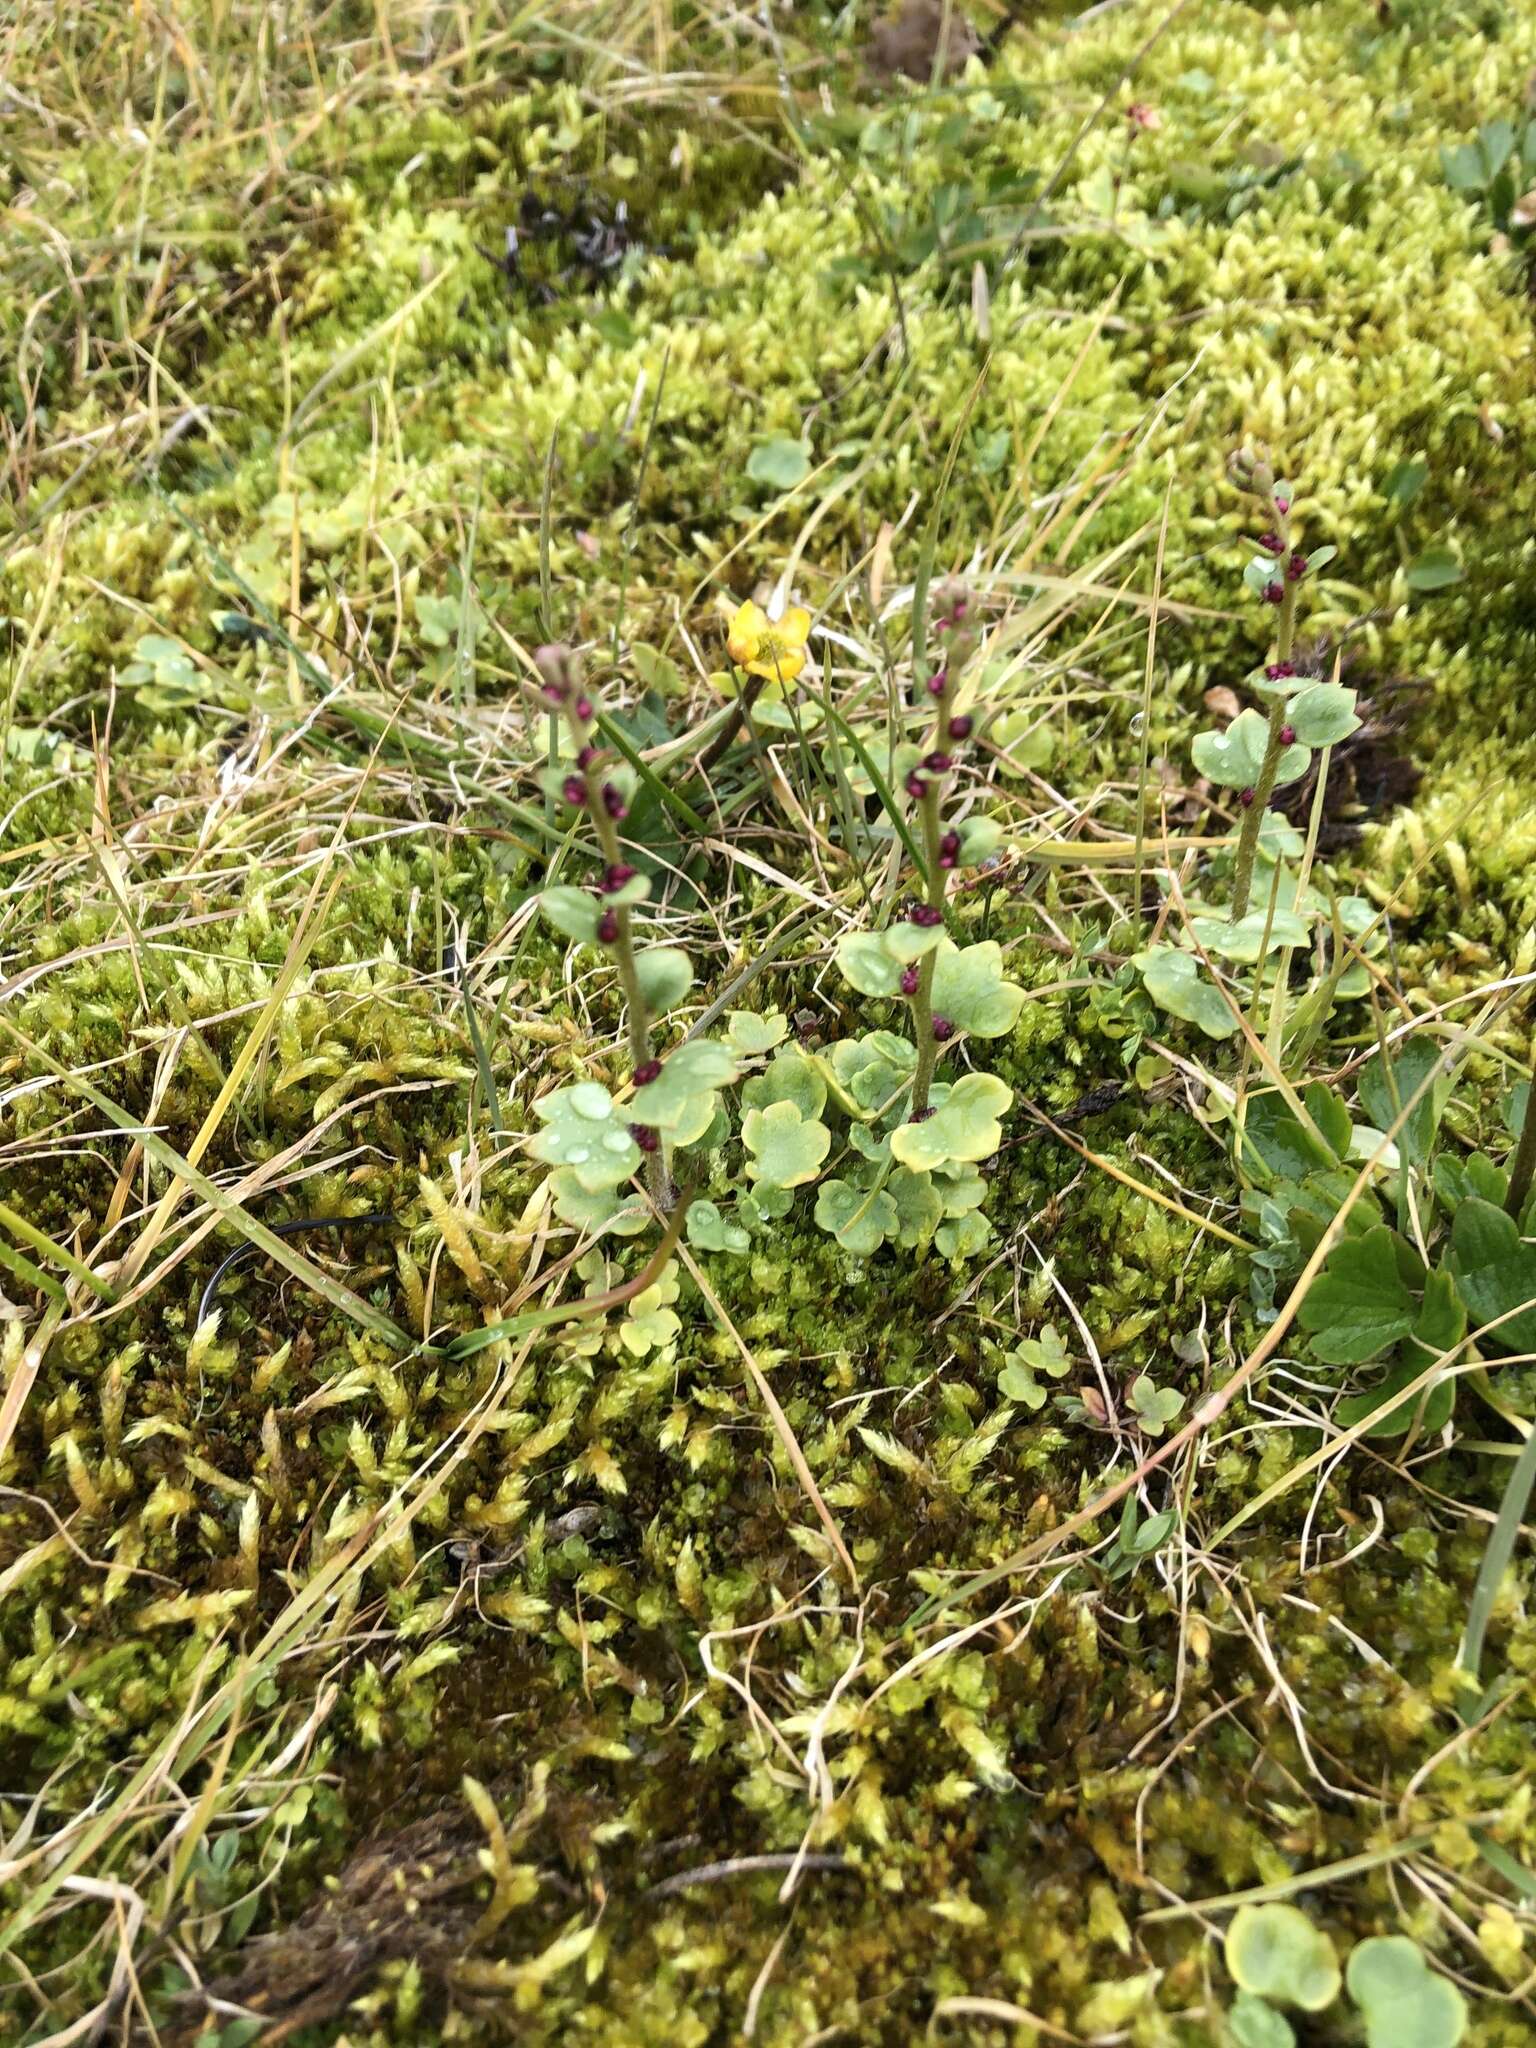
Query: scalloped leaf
[[1406, 2005], [787, 1149], [964, 1125], [790, 1076], [1255, 2024], [919, 1210], [1245, 940], [585, 1131], [970, 990], [606, 1210], [866, 964], [907, 942], [1174, 982], [979, 838], [1274, 1952], [751, 1034], [869, 1071], [860, 1219], [962, 1237], [709, 1230], [685, 1090]]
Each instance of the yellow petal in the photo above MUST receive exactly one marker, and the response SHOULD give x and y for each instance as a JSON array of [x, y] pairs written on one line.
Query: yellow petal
[[795, 626], [746, 633]]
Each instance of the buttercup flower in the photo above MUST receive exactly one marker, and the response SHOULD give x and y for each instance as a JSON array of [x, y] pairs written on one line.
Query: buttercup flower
[[771, 648]]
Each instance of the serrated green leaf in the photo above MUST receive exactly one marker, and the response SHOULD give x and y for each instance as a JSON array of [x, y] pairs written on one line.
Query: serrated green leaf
[[1430, 1409], [1331, 1115], [1495, 1272], [1358, 1305], [1388, 1084], [1272, 1137]]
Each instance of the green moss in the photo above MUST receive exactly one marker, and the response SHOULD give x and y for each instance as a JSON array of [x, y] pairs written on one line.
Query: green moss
[[1286, 262]]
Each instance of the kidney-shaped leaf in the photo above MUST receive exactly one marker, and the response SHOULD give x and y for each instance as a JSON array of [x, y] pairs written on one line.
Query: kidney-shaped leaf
[[963, 1126], [969, 989], [1405, 2004], [1274, 1952]]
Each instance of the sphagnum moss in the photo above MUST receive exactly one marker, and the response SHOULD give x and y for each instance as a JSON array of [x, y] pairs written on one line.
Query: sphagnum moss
[[1291, 268]]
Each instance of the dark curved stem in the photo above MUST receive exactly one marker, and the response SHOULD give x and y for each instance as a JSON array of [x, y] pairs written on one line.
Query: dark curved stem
[[732, 726], [1523, 1166]]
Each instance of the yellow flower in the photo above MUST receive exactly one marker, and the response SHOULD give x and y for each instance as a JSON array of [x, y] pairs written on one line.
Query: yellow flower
[[773, 648]]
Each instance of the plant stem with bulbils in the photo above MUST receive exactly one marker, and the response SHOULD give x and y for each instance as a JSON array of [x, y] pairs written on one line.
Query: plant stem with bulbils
[[658, 1178], [922, 1002], [1274, 746], [930, 812]]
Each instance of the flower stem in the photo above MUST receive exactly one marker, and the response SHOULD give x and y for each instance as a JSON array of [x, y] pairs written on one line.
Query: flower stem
[[1523, 1166], [933, 890], [733, 725], [1274, 746], [658, 1178]]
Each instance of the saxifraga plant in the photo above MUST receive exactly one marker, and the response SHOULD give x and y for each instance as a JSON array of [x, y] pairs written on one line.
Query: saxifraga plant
[[592, 1146], [1297, 720], [907, 1170]]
